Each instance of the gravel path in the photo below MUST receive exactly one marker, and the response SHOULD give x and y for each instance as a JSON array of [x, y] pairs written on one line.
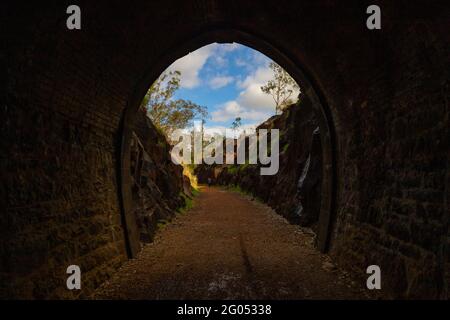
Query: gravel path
[[229, 246]]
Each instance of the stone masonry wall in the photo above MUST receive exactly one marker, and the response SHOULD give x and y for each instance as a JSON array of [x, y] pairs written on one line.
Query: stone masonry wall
[[398, 218], [63, 94], [60, 187], [158, 190]]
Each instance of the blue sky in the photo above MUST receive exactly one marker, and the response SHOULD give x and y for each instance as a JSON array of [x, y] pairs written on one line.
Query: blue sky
[[226, 78]]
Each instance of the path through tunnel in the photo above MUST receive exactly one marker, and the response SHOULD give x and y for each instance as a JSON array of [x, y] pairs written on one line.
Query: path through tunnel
[[293, 190], [70, 100], [312, 118], [230, 246]]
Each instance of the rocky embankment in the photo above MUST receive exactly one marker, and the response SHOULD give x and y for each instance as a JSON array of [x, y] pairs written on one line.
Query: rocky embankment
[[294, 192], [159, 186]]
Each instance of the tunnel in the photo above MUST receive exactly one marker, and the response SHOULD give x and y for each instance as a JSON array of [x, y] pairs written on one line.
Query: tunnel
[[69, 99]]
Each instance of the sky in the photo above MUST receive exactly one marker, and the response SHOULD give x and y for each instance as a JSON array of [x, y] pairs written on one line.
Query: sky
[[226, 78]]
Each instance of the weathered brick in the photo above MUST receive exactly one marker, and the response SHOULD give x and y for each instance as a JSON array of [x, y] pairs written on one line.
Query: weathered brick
[[63, 94]]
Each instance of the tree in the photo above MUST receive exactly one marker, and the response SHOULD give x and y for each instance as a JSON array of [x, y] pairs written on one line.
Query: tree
[[281, 87], [236, 123], [165, 112]]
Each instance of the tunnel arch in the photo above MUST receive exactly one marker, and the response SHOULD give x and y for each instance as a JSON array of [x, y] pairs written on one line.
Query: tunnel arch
[[64, 94], [294, 67]]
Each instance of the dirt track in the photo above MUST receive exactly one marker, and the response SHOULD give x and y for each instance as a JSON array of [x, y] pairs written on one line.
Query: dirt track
[[230, 247]]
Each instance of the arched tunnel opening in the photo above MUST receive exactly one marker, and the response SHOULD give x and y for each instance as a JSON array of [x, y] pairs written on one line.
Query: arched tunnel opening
[[72, 156], [159, 188], [312, 144]]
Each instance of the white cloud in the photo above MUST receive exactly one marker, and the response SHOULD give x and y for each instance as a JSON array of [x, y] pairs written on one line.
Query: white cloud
[[232, 109], [228, 110], [220, 51], [190, 66], [252, 60], [220, 81], [220, 61], [241, 62], [260, 76], [251, 104], [228, 47], [252, 97], [259, 58]]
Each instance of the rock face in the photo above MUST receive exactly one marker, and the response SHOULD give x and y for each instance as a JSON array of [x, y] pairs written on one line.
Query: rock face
[[294, 191], [158, 184]]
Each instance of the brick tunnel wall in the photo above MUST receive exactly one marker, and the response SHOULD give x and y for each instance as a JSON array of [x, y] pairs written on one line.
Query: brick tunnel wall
[[401, 219], [63, 95], [395, 186]]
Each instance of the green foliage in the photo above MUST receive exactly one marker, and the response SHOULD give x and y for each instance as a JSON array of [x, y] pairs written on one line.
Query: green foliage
[[195, 192], [237, 188], [285, 147], [232, 168], [188, 204], [281, 87], [161, 224], [188, 201], [166, 113], [160, 132]]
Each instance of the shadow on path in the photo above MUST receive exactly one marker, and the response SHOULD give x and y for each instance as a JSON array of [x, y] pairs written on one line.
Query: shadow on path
[[229, 246]]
